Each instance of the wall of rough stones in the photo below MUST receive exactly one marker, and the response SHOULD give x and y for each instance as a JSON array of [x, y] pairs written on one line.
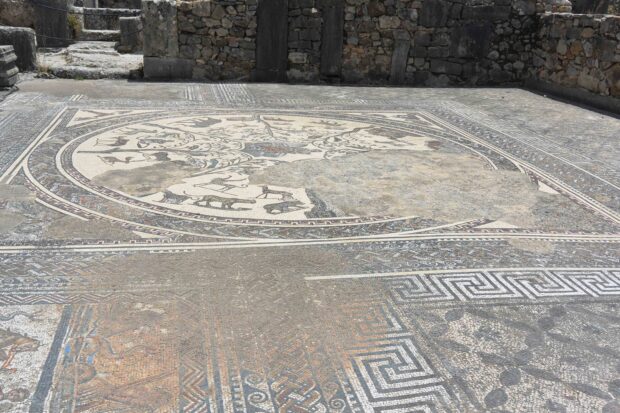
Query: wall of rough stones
[[579, 51], [219, 37], [452, 42], [444, 41], [596, 6], [304, 40], [412, 42]]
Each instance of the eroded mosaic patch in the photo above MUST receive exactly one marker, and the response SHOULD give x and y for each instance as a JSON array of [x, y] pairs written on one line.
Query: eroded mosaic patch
[[26, 336]]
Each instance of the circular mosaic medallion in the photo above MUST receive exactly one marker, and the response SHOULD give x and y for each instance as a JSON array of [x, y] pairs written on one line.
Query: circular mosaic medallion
[[205, 166]]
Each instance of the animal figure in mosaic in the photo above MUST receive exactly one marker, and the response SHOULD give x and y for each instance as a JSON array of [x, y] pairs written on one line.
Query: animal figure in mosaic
[[198, 123], [284, 206], [225, 203], [157, 156], [284, 195], [12, 343], [173, 198], [224, 183], [207, 201], [116, 141], [276, 149], [113, 160], [159, 141]]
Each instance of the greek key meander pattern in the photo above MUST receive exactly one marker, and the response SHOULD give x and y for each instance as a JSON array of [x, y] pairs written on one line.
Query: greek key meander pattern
[[489, 285]]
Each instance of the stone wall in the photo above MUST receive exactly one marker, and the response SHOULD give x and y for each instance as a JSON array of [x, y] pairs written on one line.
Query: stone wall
[[451, 42], [219, 37], [579, 51], [304, 40], [370, 31], [596, 6], [105, 19], [411, 42], [427, 42]]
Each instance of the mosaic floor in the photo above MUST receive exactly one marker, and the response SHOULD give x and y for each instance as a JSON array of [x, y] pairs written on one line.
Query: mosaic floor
[[268, 248]]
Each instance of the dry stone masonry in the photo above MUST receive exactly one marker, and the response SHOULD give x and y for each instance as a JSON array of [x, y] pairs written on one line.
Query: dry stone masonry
[[404, 42], [219, 38], [304, 40], [427, 42], [443, 42], [579, 51], [400, 42]]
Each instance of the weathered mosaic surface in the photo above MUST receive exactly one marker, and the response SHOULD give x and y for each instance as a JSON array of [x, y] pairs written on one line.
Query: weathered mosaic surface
[[236, 248]]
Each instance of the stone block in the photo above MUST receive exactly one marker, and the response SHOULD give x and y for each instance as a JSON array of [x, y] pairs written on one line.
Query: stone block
[[434, 13], [389, 22], [443, 66], [100, 19], [167, 68], [525, 7], [400, 57], [561, 47], [104, 19], [201, 8], [9, 78], [17, 13], [24, 43], [376, 8], [298, 58], [131, 34], [438, 52], [486, 13], [420, 51], [8, 69], [500, 76], [558, 6], [471, 40], [608, 51], [422, 39], [587, 81], [160, 28], [613, 74], [7, 56], [218, 12]]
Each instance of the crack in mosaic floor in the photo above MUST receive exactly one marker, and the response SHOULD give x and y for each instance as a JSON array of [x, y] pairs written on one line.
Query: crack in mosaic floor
[[246, 248]]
